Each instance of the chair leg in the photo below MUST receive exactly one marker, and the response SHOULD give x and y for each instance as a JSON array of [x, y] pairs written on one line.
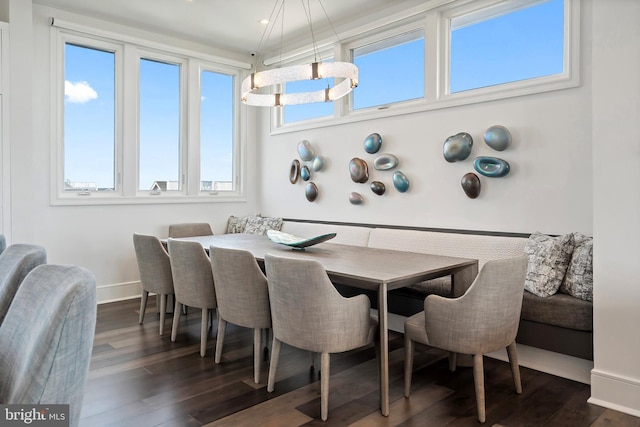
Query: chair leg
[[163, 311], [204, 331], [453, 361], [408, 364], [222, 327], [515, 369], [176, 320], [478, 379], [312, 360], [143, 305], [324, 386], [257, 349], [265, 350], [273, 365]]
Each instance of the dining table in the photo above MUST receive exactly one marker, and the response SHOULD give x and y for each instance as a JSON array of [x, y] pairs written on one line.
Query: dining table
[[379, 270]]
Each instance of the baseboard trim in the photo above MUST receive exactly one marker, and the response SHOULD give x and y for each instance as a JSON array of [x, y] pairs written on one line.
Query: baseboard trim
[[615, 392], [118, 292]]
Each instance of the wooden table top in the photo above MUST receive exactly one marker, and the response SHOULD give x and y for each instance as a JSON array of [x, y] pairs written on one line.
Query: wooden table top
[[357, 266]]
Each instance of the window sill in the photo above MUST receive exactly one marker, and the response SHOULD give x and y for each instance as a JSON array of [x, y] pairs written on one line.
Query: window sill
[[145, 200]]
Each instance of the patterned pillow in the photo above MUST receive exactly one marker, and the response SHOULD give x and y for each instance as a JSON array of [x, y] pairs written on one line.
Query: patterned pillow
[[236, 224], [260, 225], [549, 259], [578, 282]]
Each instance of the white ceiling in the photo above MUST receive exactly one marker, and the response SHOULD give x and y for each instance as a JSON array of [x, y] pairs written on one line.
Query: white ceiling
[[229, 24]]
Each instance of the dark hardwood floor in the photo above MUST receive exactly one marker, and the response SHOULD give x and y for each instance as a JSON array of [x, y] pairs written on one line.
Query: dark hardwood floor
[[138, 378]]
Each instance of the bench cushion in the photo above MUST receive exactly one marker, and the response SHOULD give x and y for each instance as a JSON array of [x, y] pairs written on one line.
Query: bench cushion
[[559, 310]]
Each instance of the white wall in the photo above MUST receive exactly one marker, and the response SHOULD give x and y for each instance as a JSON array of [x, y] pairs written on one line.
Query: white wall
[[96, 237], [575, 167], [615, 378]]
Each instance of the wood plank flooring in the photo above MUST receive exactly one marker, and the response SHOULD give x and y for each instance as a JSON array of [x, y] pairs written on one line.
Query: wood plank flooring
[[138, 378]]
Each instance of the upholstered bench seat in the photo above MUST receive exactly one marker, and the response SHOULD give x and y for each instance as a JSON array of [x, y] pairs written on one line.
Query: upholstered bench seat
[[560, 310]]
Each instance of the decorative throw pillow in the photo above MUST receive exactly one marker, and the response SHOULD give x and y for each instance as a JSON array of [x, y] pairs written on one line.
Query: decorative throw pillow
[[260, 225], [578, 282], [236, 224], [548, 260]]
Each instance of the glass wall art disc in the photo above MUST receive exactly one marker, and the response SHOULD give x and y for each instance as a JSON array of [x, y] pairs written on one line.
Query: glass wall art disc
[[385, 162], [294, 171], [311, 191], [358, 170], [378, 188], [372, 143], [318, 163], [356, 198], [498, 137], [492, 167], [457, 147], [471, 185], [305, 174], [305, 150], [400, 181]]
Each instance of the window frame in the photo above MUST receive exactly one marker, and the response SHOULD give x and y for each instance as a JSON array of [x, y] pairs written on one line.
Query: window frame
[[130, 50], [434, 18], [488, 8], [183, 168]]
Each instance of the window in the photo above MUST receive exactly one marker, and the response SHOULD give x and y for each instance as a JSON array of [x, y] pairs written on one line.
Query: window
[[135, 122], [390, 71], [448, 53], [159, 126], [296, 113], [216, 132], [492, 48], [89, 119]]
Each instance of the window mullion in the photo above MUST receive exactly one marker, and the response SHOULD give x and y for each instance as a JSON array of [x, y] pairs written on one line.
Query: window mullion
[[128, 118], [435, 57], [191, 130]]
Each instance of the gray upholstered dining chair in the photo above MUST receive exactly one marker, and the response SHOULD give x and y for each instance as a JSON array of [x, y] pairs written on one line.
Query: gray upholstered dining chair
[[483, 320], [3, 243], [193, 284], [155, 273], [242, 296], [16, 262], [47, 338], [189, 229], [308, 313]]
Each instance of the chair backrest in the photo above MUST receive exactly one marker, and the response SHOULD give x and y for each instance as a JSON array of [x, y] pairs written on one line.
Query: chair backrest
[[241, 288], [486, 317], [3, 243], [192, 277], [308, 312], [190, 229], [47, 339], [153, 264], [15, 263]]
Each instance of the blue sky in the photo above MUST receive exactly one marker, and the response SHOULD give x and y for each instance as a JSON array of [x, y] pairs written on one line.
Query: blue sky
[[512, 47]]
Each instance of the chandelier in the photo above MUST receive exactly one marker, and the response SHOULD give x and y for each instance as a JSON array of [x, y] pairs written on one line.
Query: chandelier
[[276, 78]]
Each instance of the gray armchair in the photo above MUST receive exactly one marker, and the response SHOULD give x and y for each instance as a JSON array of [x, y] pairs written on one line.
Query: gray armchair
[[242, 297], [308, 313], [155, 273], [16, 262], [193, 284], [47, 338], [189, 229], [483, 320]]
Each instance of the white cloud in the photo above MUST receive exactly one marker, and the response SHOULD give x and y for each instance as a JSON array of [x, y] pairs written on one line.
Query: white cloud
[[79, 92]]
